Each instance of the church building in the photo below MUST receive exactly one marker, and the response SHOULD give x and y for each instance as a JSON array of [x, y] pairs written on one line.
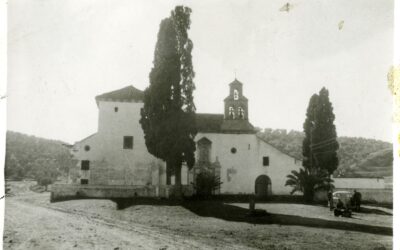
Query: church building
[[227, 145]]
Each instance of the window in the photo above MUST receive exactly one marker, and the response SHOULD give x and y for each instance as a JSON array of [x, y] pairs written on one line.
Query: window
[[87, 148], [231, 113], [85, 165], [230, 172], [128, 142], [240, 113], [204, 146], [235, 94], [265, 161], [116, 109], [84, 181]]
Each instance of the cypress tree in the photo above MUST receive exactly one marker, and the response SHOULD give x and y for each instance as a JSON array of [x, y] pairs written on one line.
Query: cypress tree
[[168, 115], [309, 130], [320, 143], [325, 144], [319, 148]]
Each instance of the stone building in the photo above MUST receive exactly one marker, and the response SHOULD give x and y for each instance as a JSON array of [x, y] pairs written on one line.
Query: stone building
[[117, 154], [227, 145]]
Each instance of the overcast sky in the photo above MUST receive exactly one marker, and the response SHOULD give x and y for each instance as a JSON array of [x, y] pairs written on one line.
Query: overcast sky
[[61, 54]]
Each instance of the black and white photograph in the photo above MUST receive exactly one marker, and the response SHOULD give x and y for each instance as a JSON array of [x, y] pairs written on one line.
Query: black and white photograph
[[214, 124]]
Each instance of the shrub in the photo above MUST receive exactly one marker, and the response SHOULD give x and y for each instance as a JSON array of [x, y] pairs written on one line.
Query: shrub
[[206, 184]]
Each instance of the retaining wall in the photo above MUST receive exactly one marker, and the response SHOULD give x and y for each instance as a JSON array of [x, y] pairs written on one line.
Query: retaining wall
[[75, 191], [359, 183], [372, 195]]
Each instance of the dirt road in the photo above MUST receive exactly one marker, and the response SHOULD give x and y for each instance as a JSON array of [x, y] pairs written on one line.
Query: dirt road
[[46, 228], [31, 222]]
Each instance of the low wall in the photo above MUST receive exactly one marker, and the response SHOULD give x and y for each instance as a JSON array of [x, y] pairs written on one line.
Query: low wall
[[75, 191], [359, 183], [374, 195], [369, 195]]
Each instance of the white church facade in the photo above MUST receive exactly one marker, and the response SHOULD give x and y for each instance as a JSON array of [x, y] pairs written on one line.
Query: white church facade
[[227, 144]]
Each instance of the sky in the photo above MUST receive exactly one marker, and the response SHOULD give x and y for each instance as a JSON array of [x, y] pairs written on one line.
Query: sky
[[61, 54]]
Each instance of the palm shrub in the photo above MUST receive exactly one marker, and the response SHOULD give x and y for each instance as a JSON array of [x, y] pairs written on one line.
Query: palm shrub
[[308, 183], [206, 183]]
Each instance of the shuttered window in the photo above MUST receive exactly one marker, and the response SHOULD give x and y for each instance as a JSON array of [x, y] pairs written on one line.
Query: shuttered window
[[265, 161], [85, 165], [128, 142]]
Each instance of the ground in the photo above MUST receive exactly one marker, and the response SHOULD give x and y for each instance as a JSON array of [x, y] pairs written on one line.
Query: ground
[[31, 222]]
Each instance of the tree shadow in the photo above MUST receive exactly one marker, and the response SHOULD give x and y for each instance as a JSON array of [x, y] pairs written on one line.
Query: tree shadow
[[123, 203], [220, 210], [233, 213], [366, 210]]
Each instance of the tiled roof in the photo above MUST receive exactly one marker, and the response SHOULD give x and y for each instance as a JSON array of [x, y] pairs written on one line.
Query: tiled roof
[[215, 123], [237, 126], [209, 123], [126, 94]]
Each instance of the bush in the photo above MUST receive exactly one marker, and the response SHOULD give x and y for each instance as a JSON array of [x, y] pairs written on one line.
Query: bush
[[206, 184]]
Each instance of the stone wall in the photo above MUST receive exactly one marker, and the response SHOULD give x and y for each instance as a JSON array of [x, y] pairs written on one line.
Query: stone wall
[[61, 192], [359, 183], [374, 195], [368, 195]]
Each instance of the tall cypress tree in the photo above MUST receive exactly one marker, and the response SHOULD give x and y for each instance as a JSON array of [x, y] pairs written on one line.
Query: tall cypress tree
[[325, 144], [168, 115], [309, 130], [320, 143], [319, 148]]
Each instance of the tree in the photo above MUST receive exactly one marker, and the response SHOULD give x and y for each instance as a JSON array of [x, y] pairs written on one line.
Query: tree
[[305, 182], [325, 145], [319, 148], [45, 171], [206, 183], [13, 168], [168, 115]]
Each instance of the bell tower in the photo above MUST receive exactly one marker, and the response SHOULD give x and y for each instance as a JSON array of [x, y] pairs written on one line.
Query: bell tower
[[236, 105]]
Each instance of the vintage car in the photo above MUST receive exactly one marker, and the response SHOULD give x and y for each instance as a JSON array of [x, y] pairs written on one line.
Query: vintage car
[[343, 209]]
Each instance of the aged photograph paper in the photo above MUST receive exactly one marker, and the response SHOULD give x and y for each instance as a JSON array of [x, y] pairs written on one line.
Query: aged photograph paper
[[199, 124]]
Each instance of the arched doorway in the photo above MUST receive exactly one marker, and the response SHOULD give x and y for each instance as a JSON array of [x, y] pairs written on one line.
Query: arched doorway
[[263, 186]]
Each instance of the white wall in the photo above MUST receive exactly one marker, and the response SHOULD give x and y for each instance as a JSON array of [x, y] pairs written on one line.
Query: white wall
[[359, 183], [281, 165], [113, 165], [110, 163], [247, 162]]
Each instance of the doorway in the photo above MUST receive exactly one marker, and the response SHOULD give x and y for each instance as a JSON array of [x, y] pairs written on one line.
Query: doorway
[[263, 186]]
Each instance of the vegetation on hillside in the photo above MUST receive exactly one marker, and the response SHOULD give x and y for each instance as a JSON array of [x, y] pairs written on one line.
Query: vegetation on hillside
[[353, 153], [30, 157]]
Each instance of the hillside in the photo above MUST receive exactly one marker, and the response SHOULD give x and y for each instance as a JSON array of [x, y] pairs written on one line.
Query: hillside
[[375, 165], [28, 156], [358, 157]]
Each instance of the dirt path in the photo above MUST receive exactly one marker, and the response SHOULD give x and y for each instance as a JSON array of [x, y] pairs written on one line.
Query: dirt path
[[32, 222], [46, 228]]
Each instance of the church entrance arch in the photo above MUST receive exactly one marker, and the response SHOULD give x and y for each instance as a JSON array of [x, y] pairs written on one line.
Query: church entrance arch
[[263, 186]]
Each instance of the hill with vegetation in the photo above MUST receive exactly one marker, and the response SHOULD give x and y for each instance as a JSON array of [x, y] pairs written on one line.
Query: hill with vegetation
[[30, 157], [358, 157]]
